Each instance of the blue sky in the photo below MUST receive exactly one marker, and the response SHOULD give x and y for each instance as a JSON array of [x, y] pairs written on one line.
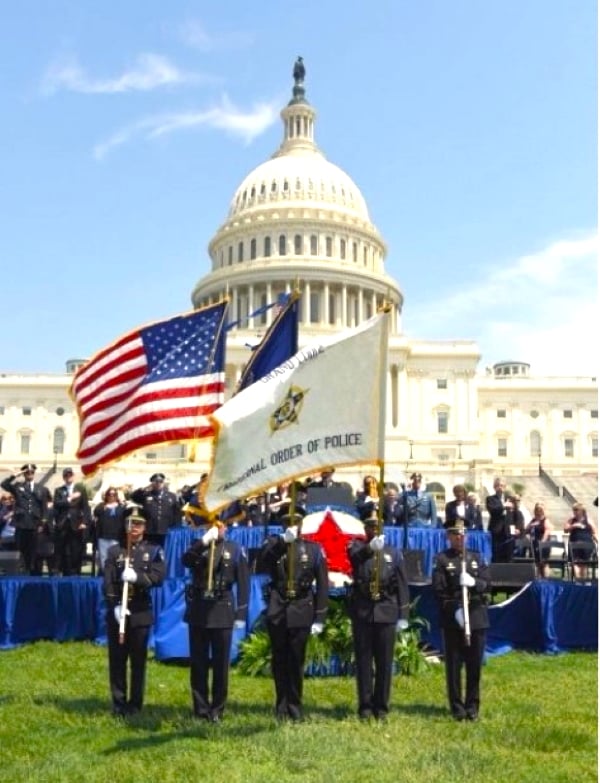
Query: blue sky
[[470, 127]]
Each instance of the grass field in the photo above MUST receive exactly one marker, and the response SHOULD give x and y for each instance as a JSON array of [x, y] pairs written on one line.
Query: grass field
[[538, 723]]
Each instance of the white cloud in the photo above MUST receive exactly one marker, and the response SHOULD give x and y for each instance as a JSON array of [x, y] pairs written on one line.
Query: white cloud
[[246, 125], [149, 72], [194, 34], [541, 308]]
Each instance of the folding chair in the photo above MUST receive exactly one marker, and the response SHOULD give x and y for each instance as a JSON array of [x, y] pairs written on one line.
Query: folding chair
[[583, 561]]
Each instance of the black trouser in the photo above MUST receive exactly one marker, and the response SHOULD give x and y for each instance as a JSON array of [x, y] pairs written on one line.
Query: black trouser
[[135, 650], [68, 552], [209, 647], [457, 653], [26, 541], [373, 648], [288, 653]]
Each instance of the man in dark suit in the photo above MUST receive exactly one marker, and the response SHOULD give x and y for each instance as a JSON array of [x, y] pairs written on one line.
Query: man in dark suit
[[72, 519], [161, 508], [30, 518], [213, 609], [464, 633], [502, 522], [294, 609], [379, 607]]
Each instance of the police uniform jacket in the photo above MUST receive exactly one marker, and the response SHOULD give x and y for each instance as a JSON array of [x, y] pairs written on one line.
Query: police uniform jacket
[[308, 605], [31, 505], [148, 561], [230, 567], [70, 513], [161, 510], [393, 602], [447, 589]]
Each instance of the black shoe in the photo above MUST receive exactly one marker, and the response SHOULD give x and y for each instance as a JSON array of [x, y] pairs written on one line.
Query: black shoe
[[472, 715], [459, 715], [215, 719], [365, 715], [119, 712]]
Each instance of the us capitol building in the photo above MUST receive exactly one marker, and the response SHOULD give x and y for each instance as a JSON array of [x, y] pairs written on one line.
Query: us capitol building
[[299, 221]]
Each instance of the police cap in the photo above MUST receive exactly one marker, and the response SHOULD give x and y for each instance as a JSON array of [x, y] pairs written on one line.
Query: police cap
[[29, 467], [157, 477]]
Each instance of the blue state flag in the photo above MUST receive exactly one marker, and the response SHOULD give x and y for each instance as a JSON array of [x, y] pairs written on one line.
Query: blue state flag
[[279, 344]]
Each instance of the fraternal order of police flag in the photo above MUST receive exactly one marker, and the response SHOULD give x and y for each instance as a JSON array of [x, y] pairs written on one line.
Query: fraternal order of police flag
[[155, 385], [323, 406]]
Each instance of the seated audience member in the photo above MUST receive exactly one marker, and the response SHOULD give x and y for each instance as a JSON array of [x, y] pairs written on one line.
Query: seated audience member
[[539, 530], [7, 530], [580, 530]]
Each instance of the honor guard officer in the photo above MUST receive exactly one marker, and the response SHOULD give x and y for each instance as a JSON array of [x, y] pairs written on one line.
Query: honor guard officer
[[161, 508], [458, 575], [379, 609], [30, 518], [213, 610], [294, 609], [130, 572]]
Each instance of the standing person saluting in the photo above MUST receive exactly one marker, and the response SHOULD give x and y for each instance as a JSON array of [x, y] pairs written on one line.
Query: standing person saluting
[[212, 614], [132, 571], [294, 610], [457, 574]]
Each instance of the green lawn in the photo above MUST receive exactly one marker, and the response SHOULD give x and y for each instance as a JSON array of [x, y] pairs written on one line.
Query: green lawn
[[538, 723]]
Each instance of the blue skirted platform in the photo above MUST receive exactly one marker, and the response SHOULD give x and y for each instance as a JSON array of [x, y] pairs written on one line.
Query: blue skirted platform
[[547, 616]]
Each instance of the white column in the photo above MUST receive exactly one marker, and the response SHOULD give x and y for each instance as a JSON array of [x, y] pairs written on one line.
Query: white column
[[234, 303], [361, 306], [269, 300], [250, 306], [325, 308], [344, 306], [306, 303]]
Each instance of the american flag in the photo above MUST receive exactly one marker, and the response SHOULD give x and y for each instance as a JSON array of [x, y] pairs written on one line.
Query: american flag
[[155, 385]]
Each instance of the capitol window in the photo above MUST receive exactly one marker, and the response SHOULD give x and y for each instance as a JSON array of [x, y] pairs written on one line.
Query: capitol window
[[314, 245], [25, 443], [60, 411], [273, 186], [328, 247], [501, 413], [442, 422], [26, 411], [593, 413], [230, 255], [267, 247], [569, 447], [282, 245], [252, 249], [567, 414], [298, 245], [594, 447], [502, 447], [342, 248], [442, 383], [240, 252], [355, 252], [314, 307]]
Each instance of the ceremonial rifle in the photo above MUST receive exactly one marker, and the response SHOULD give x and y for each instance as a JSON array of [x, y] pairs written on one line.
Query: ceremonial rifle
[[465, 592], [125, 593], [376, 573]]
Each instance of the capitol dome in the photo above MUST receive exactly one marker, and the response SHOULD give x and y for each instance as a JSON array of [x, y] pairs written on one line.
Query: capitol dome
[[298, 222]]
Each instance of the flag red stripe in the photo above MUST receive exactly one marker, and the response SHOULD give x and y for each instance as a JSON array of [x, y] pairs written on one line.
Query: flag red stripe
[[133, 421], [142, 396]]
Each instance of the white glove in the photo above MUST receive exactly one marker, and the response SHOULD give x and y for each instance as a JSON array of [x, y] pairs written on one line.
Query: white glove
[[240, 625], [211, 534], [129, 575], [290, 534], [118, 611], [459, 616], [377, 543], [466, 580], [316, 629], [401, 625]]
